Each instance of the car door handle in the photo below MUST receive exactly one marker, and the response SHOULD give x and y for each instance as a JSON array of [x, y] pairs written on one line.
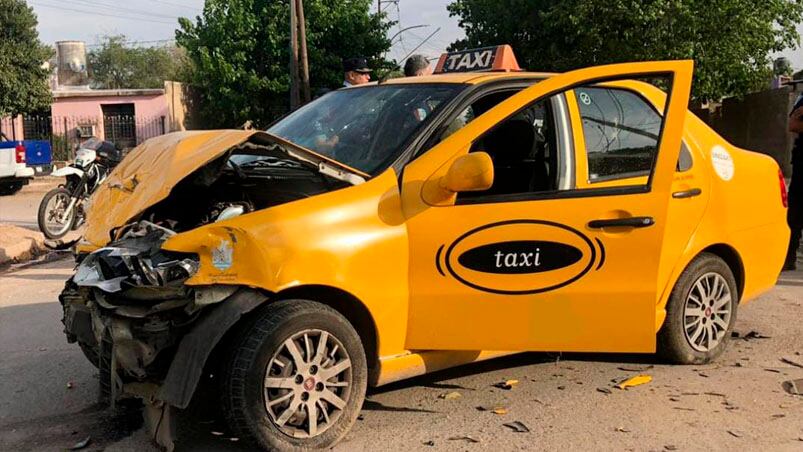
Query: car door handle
[[633, 222], [687, 193]]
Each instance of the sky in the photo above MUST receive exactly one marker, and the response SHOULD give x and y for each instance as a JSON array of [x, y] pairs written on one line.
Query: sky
[[155, 20], [152, 22]]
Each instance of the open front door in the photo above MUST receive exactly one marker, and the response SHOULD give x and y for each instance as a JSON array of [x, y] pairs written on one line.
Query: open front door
[[538, 261]]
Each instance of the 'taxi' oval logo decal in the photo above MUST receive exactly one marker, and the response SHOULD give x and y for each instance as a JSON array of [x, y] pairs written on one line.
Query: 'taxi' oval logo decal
[[520, 257]]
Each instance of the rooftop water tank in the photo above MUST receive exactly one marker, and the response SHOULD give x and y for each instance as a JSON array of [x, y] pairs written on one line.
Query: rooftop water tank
[[72, 71]]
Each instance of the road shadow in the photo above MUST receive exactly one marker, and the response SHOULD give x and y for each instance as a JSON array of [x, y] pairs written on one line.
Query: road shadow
[[436, 379]]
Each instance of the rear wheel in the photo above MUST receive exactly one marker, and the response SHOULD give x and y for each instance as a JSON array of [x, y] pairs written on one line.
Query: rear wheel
[[54, 222], [700, 313], [296, 378]]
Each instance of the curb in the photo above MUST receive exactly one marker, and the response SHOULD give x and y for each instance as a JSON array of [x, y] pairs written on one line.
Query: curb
[[45, 258]]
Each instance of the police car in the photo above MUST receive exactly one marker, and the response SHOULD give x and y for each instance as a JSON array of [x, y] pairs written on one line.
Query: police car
[[395, 229]]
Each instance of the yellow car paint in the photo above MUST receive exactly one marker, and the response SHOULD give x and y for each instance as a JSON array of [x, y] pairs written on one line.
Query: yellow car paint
[[392, 241]]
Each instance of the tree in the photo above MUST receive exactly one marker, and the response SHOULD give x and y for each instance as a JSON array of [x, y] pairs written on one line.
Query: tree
[[23, 71], [239, 51], [114, 65], [731, 41]]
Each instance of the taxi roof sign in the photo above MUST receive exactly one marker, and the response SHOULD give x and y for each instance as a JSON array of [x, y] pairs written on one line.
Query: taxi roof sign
[[496, 58]]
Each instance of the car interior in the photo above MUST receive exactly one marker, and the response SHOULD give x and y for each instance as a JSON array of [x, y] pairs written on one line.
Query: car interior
[[523, 151]]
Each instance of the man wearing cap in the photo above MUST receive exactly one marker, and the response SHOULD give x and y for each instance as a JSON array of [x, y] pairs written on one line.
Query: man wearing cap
[[356, 72]]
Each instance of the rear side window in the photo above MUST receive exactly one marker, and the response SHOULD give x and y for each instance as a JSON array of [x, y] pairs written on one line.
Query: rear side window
[[621, 132]]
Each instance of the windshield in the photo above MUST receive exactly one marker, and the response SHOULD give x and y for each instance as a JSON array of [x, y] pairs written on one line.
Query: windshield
[[365, 128]]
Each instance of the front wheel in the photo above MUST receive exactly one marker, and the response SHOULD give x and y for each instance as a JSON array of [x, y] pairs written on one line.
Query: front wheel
[[700, 313], [296, 379], [54, 220]]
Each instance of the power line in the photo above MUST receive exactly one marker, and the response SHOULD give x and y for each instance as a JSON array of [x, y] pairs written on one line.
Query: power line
[[96, 13], [154, 41], [179, 5], [98, 4]]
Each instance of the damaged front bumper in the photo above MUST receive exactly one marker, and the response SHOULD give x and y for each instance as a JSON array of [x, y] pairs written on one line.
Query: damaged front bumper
[[128, 308]]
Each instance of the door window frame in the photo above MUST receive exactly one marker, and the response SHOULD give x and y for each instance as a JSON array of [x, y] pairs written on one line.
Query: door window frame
[[590, 191]]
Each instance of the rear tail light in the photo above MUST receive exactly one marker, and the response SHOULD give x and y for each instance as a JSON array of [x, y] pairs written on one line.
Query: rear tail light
[[19, 153], [784, 193]]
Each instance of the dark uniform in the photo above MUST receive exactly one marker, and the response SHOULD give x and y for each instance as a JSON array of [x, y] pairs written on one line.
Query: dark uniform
[[795, 214]]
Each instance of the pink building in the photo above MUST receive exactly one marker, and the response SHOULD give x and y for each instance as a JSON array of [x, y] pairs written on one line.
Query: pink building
[[127, 116]]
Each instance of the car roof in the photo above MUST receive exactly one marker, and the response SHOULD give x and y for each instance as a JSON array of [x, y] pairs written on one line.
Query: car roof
[[470, 78]]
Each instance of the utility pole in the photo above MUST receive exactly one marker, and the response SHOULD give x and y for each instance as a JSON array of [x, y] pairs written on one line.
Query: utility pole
[[294, 95], [302, 34]]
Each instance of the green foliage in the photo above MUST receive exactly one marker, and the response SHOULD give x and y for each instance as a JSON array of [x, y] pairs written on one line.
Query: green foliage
[[113, 65], [731, 41], [23, 79], [240, 53]]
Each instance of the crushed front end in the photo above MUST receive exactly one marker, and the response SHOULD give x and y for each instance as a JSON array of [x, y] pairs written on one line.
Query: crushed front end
[[128, 308]]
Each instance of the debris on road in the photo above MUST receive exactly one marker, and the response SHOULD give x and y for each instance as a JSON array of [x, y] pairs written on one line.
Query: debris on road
[[429, 443], [794, 387], [750, 335], [69, 385], [635, 368], [517, 427], [622, 430], [464, 438], [493, 409], [634, 381], [81, 444], [450, 395], [735, 433], [604, 390], [507, 384], [670, 447], [792, 361]]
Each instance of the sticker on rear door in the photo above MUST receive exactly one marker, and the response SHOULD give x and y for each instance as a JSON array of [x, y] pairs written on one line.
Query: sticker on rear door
[[723, 162], [520, 257]]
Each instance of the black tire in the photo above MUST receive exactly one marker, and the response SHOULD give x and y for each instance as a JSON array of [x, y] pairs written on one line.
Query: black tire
[[10, 188], [243, 393], [674, 345], [42, 215]]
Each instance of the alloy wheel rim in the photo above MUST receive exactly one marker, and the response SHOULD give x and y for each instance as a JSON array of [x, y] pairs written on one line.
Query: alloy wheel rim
[[707, 312], [55, 209], [307, 383]]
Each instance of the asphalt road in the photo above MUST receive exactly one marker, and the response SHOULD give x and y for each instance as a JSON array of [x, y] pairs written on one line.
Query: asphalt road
[[21, 208], [47, 392]]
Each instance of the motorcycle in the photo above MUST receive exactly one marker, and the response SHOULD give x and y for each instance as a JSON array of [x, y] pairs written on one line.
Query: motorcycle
[[61, 209]]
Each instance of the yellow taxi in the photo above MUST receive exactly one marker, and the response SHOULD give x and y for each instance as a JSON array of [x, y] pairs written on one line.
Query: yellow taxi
[[399, 228]]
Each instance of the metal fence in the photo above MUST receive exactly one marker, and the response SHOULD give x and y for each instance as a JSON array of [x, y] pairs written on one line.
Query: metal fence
[[65, 132]]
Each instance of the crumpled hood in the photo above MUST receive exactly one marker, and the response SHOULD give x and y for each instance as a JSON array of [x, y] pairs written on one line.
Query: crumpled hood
[[149, 172]]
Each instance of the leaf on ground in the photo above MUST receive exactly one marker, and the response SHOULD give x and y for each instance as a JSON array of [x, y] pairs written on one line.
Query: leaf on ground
[[794, 387], [81, 444], [495, 409], [507, 384], [634, 381], [635, 368], [464, 438], [517, 427], [793, 362], [450, 395]]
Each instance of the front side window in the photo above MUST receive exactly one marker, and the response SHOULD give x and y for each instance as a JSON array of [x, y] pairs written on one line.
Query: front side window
[[621, 132], [365, 128], [524, 152]]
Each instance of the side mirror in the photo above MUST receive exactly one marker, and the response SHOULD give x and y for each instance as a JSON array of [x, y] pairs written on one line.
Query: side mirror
[[470, 172]]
